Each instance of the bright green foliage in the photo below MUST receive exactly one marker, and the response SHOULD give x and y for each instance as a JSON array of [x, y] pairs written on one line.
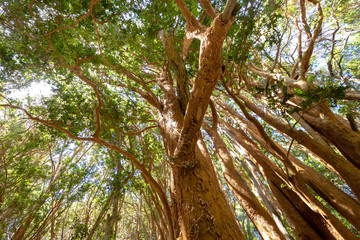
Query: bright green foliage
[[110, 51]]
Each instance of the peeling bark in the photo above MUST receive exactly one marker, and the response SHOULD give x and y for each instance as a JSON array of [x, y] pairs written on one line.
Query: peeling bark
[[202, 210]]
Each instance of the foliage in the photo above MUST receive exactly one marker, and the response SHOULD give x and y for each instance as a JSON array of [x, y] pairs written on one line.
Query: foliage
[[75, 161]]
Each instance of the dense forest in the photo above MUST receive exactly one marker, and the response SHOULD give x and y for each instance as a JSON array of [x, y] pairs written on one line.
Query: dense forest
[[179, 119]]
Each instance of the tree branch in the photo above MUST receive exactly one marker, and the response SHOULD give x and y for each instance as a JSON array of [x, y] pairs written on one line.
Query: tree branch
[[191, 21], [47, 123], [208, 8], [207, 77], [145, 173], [304, 63], [231, 8], [181, 76], [100, 103]]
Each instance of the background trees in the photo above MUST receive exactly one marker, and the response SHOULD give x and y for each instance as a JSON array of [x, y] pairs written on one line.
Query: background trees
[[195, 119]]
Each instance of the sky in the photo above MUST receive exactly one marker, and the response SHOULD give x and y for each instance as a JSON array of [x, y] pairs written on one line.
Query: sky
[[35, 90]]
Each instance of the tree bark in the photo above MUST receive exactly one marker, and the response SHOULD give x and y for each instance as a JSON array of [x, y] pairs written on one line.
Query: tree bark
[[340, 201], [265, 198], [201, 205], [343, 137], [345, 168], [259, 216], [309, 217]]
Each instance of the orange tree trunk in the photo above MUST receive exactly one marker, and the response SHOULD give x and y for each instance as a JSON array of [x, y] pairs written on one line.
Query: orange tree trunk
[[202, 210]]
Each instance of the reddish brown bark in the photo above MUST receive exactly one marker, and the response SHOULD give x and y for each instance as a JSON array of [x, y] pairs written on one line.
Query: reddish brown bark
[[343, 137], [203, 210], [201, 206], [341, 202], [346, 169], [312, 218], [262, 220]]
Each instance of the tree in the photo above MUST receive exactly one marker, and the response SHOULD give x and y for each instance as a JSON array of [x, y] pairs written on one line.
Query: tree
[[217, 94]]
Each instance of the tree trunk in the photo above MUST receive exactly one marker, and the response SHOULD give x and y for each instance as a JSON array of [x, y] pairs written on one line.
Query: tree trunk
[[340, 201], [100, 216], [308, 216], [203, 210], [264, 196], [262, 220], [112, 219], [201, 205], [343, 166], [343, 137]]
